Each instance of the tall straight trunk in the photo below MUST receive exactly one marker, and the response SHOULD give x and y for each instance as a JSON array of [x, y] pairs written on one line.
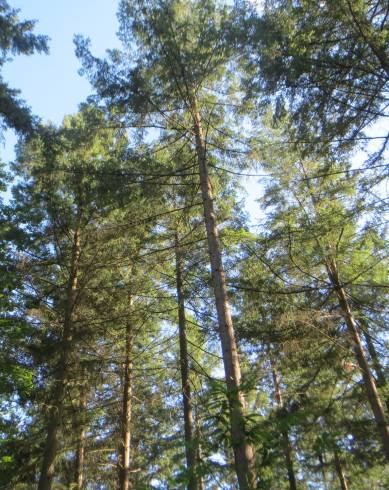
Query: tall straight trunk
[[199, 457], [125, 441], [56, 411], [286, 445], [80, 452], [381, 378], [368, 379], [190, 449], [323, 469], [381, 381], [80, 460], [339, 470], [243, 452]]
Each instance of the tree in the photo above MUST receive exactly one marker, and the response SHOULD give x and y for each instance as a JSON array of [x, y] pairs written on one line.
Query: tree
[[327, 61], [312, 203], [180, 54], [62, 203]]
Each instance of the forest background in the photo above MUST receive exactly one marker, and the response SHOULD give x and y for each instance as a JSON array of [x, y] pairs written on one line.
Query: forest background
[[112, 372]]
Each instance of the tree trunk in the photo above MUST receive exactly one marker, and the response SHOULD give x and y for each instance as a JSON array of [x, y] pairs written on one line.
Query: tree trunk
[[243, 452], [125, 442], [199, 457], [381, 379], [286, 445], [80, 453], [190, 449], [323, 469], [368, 379], [80, 460], [56, 410], [339, 470]]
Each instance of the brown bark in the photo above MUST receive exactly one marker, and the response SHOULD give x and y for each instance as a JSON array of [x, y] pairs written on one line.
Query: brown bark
[[80, 452], [190, 449], [125, 442], [380, 375], [56, 411], [286, 445], [368, 379], [323, 469], [243, 452], [198, 460], [339, 470], [381, 381], [80, 460]]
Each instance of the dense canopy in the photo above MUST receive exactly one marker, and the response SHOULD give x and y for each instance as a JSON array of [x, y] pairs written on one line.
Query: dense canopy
[[153, 333]]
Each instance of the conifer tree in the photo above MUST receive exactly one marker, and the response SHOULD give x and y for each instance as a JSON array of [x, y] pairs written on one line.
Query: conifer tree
[[181, 55]]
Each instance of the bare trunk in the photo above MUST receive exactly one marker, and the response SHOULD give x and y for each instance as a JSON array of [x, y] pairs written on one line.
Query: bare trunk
[[190, 449], [125, 442], [381, 379], [286, 445], [199, 459], [323, 469], [243, 452], [56, 411], [80, 460], [80, 453], [368, 379], [339, 470]]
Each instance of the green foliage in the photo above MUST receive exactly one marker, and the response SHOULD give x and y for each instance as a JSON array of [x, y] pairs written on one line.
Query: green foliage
[[287, 89]]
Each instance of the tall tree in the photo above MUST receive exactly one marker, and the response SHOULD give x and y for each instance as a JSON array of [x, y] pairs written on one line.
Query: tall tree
[[327, 61], [180, 56], [64, 202], [327, 216]]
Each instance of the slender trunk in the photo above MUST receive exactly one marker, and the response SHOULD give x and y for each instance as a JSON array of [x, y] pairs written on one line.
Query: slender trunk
[[190, 449], [323, 469], [286, 445], [381, 379], [80, 453], [80, 460], [199, 457], [125, 442], [243, 452], [339, 470], [368, 379], [56, 412]]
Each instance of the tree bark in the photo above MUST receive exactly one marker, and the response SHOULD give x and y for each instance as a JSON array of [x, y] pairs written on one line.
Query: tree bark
[[286, 445], [190, 449], [339, 470], [368, 379], [125, 442], [80, 453], [199, 457], [243, 452], [56, 410], [323, 469], [381, 379]]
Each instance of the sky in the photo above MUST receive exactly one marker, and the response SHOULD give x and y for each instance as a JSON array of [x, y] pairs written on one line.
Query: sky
[[50, 84]]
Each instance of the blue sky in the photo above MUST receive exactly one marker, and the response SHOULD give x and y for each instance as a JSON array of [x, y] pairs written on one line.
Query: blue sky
[[50, 83]]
